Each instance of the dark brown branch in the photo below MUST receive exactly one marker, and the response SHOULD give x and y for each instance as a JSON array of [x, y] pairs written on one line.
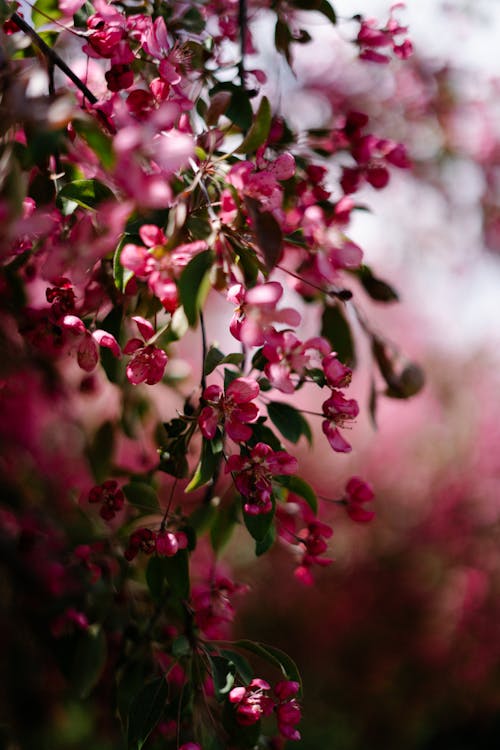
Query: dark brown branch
[[54, 60]]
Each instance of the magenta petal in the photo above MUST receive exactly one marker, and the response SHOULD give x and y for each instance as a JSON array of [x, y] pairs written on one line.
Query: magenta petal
[[88, 354], [243, 390], [208, 421], [145, 328], [106, 339], [335, 439]]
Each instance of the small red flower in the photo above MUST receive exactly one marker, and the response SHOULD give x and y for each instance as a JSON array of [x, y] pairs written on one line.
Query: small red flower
[[358, 493], [234, 409]]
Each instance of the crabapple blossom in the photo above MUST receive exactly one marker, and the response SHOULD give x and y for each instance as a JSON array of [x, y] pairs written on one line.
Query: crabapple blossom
[[288, 711], [338, 410], [253, 475], [234, 409], [148, 362], [252, 702], [256, 311], [111, 497], [358, 492]]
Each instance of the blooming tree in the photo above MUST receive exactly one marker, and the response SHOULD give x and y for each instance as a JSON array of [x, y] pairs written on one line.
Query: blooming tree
[[136, 189]]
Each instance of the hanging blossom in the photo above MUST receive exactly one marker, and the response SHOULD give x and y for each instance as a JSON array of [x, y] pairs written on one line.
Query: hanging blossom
[[287, 709], [287, 355], [234, 409], [110, 496], [372, 38], [337, 409], [253, 475], [89, 342], [212, 604], [357, 493], [313, 539], [256, 311], [252, 702], [148, 362]]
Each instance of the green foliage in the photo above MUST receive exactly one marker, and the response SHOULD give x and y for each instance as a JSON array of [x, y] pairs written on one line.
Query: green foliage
[[145, 712], [194, 285], [289, 421], [336, 329]]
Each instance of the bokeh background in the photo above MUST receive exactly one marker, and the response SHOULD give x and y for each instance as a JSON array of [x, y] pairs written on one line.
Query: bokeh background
[[399, 641]]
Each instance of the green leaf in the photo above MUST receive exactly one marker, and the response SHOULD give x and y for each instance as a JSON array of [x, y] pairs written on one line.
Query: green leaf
[[194, 285], [206, 469], [242, 666], [321, 6], [222, 527], [240, 110], [43, 8], [336, 329], [100, 451], [202, 518], [130, 681], [142, 496], [259, 525], [263, 545], [377, 289], [263, 434], [85, 193], [299, 486], [99, 142], [289, 421], [156, 576], [267, 231], [180, 647], [177, 570], [257, 135], [121, 275], [145, 712], [274, 655], [214, 357], [372, 404], [89, 660], [223, 672], [282, 39]]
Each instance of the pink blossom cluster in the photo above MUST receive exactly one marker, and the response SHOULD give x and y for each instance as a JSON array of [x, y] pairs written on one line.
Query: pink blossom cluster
[[254, 702]]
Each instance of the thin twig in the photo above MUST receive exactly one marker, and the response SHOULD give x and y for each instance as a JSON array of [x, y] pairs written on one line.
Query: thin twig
[[54, 60]]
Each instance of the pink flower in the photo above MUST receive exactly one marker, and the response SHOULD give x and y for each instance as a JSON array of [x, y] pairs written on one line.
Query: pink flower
[[88, 351], [338, 410], [254, 472], [110, 495], [358, 493], [256, 312], [313, 538], [212, 605], [148, 362], [252, 702], [234, 409], [287, 355], [141, 540], [337, 374], [288, 711]]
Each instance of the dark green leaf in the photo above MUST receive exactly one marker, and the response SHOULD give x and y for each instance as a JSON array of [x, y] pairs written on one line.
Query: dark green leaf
[[259, 130], [263, 434], [156, 576], [336, 329], [206, 469], [240, 110], [223, 672], [222, 527], [85, 193], [263, 545], [202, 518], [267, 231], [243, 668], [282, 39], [194, 285], [377, 289], [214, 357], [229, 376], [177, 569], [100, 451], [259, 525], [121, 275], [288, 420], [180, 647], [145, 712], [321, 6], [130, 681], [89, 660], [142, 496], [274, 655], [299, 486]]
